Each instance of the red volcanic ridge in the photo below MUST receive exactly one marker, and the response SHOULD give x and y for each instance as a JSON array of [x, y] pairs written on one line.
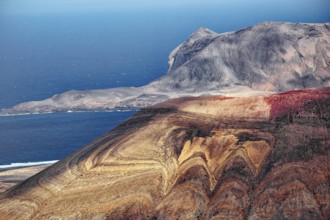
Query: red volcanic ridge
[[262, 157], [294, 102]]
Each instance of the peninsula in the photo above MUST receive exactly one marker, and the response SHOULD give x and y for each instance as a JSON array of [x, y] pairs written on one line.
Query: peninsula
[[266, 58]]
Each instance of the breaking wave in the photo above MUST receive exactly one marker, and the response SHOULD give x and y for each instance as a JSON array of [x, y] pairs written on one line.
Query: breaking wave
[[27, 164]]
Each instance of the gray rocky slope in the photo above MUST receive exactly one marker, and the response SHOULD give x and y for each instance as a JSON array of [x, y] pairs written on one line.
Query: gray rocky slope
[[267, 57]]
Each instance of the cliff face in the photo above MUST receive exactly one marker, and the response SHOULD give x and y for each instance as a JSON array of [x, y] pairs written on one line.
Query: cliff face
[[266, 57], [262, 157]]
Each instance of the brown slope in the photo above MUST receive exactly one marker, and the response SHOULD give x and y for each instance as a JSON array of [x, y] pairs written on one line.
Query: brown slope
[[195, 158]]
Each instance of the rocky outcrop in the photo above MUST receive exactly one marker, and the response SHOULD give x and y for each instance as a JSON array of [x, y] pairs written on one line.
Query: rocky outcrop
[[261, 157], [266, 57]]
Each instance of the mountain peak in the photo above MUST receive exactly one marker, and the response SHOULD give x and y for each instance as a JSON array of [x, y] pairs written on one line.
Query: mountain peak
[[204, 30], [271, 56], [201, 33], [197, 41]]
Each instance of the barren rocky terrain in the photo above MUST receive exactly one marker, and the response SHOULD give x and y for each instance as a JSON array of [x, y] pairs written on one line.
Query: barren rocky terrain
[[258, 157], [227, 145]]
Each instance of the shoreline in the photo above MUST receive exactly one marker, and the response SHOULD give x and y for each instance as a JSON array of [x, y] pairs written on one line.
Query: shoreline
[[70, 111], [12, 176], [18, 165]]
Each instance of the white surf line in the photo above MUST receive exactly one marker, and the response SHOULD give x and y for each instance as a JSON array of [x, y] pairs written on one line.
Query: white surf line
[[27, 164]]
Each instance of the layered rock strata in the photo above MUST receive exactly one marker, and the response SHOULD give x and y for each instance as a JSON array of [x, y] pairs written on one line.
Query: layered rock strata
[[262, 157]]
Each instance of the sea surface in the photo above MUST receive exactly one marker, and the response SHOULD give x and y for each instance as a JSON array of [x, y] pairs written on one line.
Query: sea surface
[[48, 137]]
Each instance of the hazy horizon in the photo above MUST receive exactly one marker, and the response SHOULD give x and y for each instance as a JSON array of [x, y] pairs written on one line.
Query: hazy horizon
[[83, 6]]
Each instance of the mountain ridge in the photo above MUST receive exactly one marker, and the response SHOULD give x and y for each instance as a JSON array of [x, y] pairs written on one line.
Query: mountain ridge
[[287, 52], [266, 58]]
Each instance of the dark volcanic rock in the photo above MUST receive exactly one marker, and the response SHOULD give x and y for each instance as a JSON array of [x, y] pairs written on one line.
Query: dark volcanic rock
[[262, 157]]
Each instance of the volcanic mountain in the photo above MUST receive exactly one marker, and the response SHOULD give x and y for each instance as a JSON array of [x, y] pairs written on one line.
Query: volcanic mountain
[[270, 56], [257, 157]]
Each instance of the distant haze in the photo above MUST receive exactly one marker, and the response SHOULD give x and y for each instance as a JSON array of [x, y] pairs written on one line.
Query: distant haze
[[238, 7]]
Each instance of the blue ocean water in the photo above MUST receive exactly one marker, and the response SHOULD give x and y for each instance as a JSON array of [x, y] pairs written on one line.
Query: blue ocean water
[[45, 52], [46, 137]]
